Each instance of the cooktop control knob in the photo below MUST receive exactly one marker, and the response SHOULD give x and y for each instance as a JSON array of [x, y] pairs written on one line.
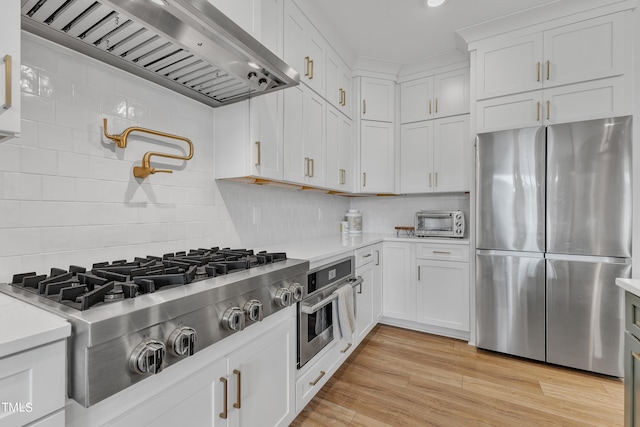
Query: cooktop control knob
[[147, 357], [253, 309], [283, 297], [233, 319], [297, 291], [182, 341]]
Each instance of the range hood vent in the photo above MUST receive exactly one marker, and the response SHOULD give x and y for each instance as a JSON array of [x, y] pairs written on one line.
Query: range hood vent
[[188, 46]]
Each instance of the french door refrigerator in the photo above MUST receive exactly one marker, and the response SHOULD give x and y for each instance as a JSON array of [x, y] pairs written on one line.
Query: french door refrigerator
[[553, 232]]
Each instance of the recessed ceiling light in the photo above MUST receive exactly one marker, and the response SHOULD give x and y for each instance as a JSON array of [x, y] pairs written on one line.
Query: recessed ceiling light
[[434, 3]]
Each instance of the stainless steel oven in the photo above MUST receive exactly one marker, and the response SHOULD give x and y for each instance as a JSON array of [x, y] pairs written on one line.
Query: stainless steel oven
[[317, 312]]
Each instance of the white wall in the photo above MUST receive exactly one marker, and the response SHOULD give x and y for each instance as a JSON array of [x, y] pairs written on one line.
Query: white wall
[[68, 196]]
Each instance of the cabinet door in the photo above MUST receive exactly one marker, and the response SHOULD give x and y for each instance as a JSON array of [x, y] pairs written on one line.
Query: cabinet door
[[584, 51], [510, 66], [377, 99], [295, 24], [450, 152], [315, 52], [338, 83], [416, 154], [443, 294], [346, 141], [631, 380], [398, 281], [334, 171], [451, 93], [377, 282], [314, 123], [509, 112], [266, 118], [364, 302], [586, 101], [416, 101], [295, 165], [262, 379], [10, 76], [376, 157]]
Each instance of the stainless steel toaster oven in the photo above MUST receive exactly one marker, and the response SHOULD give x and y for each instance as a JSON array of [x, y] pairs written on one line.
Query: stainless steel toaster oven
[[439, 224]]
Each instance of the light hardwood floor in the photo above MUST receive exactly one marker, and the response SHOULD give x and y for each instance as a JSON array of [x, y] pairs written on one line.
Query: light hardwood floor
[[398, 377]]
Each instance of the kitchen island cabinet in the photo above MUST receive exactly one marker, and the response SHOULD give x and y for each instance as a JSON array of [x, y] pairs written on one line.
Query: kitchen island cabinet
[[631, 351], [10, 71]]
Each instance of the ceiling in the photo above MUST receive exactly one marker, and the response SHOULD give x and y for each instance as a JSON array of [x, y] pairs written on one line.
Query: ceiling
[[406, 31]]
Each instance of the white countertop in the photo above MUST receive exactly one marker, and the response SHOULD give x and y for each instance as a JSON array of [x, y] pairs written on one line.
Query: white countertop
[[319, 248], [629, 285], [25, 326]]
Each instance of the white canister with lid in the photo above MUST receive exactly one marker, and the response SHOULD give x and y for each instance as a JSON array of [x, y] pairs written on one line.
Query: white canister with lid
[[354, 218]]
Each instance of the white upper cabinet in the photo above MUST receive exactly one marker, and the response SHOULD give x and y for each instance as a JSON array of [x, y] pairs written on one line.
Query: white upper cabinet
[[304, 137], [442, 95], [377, 97], [377, 157], [339, 92], [10, 71], [340, 141], [586, 50], [304, 48], [433, 155]]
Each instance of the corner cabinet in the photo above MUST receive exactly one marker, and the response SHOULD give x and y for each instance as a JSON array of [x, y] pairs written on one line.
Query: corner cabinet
[[377, 99], [10, 71], [376, 157], [434, 155]]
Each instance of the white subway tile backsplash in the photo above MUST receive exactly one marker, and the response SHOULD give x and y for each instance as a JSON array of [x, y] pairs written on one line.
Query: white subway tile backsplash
[[9, 158], [54, 137], [35, 160], [28, 136], [57, 239], [17, 186], [73, 165], [37, 108], [58, 188], [19, 241], [11, 213]]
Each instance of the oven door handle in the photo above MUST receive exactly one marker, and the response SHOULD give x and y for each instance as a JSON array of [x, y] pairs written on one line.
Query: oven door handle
[[307, 308]]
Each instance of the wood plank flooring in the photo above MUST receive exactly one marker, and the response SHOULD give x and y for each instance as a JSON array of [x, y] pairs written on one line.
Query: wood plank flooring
[[398, 377]]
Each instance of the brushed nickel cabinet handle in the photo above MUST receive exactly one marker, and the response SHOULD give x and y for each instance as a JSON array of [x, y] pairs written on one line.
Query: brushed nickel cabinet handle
[[539, 105], [311, 76], [364, 106], [238, 404], [429, 179], [259, 153], [347, 348], [548, 109], [377, 257], [364, 176], [322, 374], [344, 98], [418, 273], [441, 252], [306, 166], [307, 63], [225, 411], [429, 106], [436, 172], [7, 82], [436, 105], [548, 70], [313, 168], [539, 67]]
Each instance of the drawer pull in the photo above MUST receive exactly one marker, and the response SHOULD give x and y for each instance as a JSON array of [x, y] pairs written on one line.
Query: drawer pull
[[346, 349], [366, 256], [322, 374], [7, 82], [238, 404], [442, 252]]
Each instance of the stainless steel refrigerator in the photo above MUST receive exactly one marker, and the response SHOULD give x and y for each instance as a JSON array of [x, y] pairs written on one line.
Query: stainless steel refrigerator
[[553, 232]]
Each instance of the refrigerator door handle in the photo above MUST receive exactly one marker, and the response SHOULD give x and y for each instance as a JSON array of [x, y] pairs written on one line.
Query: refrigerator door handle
[[588, 258], [491, 252]]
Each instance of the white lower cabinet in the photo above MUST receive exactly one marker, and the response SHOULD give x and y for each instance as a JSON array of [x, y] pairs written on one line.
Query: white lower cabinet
[[252, 386], [443, 294], [32, 386], [369, 294], [398, 279], [426, 287]]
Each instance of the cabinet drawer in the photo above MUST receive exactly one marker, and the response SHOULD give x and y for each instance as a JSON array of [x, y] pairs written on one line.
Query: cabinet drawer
[[443, 251], [364, 256], [312, 381], [33, 383]]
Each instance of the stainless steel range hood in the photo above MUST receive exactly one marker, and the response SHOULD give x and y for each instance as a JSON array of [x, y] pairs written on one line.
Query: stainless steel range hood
[[188, 46]]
